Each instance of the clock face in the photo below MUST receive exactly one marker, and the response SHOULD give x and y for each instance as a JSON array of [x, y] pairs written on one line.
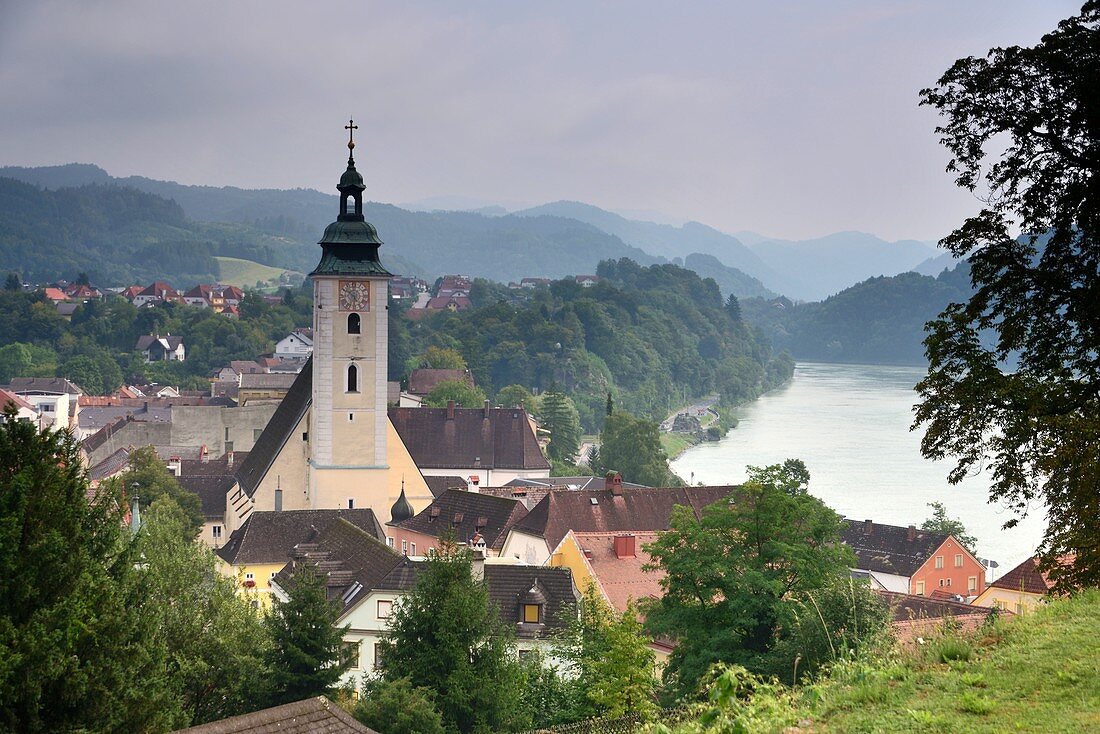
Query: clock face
[[354, 295]]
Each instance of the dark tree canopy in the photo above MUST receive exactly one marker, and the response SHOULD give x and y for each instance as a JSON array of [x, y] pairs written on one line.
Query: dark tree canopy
[[1023, 129]]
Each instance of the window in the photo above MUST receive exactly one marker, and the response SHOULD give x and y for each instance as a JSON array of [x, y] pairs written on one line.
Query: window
[[216, 531], [349, 653], [227, 433], [377, 655], [351, 416], [353, 378], [278, 500], [939, 561], [941, 583], [1019, 608], [412, 549], [305, 435], [389, 542], [249, 576], [354, 323], [958, 560], [405, 547], [273, 574], [351, 503], [920, 588], [531, 613], [972, 583], [385, 607]]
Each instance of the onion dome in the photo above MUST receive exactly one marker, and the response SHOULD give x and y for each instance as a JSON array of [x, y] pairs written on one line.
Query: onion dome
[[401, 509]]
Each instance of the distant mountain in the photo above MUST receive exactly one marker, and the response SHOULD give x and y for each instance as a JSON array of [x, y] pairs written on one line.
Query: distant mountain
[[935, 265], [878, 321], [417, 243], [730, 280], [826, 265]]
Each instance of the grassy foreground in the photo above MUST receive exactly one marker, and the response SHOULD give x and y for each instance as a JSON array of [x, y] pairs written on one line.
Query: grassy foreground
[[1034, 673]]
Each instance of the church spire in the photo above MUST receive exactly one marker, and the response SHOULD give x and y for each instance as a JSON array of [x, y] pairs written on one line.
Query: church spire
[[402, 509]]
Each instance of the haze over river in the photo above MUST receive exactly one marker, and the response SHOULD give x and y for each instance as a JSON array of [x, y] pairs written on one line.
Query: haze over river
[[850, 424]]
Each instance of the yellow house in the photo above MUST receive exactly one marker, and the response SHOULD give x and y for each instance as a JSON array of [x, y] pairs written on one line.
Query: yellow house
[[264, 544], [1020, 590]]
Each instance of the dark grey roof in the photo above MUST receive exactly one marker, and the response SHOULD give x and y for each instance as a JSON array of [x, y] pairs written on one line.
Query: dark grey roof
[[469, 438], [439, 485], [110, 466], [511, 585], [42, 384], [93, 418], [311, 716], [579, 482], [269, 537], [353, 561], [278, 430], [462, 513], [211, 489], [890, 548], [148, 340]]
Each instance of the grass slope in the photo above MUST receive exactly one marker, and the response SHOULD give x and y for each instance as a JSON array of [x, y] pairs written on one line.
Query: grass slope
[[238, 272], [1037, 673]]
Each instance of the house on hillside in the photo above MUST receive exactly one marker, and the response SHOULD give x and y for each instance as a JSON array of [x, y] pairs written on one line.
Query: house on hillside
[[156, 292], [913, 561], [614, 509], [298, 344], [1022, 589], [24, 410], [55, 399], [157, 348]]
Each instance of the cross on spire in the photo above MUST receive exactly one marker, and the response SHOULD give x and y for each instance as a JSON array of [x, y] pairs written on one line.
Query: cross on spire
[[351, 127]]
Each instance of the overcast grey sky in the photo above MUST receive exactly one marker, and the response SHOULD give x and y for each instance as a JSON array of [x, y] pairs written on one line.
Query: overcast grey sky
[[794, 118]]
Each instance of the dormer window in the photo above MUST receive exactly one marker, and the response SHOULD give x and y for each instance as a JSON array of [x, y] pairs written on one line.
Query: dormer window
[[532, 613], [532, 604]]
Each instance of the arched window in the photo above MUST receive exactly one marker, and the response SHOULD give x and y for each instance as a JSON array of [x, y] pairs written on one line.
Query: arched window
[[353, 378], [353, 323]]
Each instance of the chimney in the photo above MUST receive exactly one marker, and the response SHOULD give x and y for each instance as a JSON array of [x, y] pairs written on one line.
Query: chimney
[[867, 527], [625, 546], [229, 459], [477, 564], [475, 483], [204, 454], [175, 465], [486, 408], [912, 534], [450, 410], [614, 482]]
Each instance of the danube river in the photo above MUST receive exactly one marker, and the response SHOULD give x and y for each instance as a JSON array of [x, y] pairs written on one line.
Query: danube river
[[850, 424]]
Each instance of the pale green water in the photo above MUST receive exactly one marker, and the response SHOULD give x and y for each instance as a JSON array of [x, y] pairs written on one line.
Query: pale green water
[[850, 424]]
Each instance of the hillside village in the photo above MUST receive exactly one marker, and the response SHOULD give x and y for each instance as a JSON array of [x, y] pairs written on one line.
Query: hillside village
[[310, 458]]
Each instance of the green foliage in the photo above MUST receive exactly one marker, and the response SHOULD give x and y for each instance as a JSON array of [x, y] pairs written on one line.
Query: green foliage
[[447, 637], [460, 392], [214, 642], [77, 652], [15, 361], [732, 577], [304, 658], [941, 523], [438, 358], [147, 478], [559, 416], [610, 661], [632, 447], [511, 396], [736, 701], [1035, 424], [398, 707], [550, 697], [655, 336]]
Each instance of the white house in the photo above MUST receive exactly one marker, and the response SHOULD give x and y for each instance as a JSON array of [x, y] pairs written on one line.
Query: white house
[[157, 348], [298, 343]]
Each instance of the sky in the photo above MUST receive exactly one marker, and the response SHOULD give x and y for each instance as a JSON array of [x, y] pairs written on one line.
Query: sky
[[793, 118]]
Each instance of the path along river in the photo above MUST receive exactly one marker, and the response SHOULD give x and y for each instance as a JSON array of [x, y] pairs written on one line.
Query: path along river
[[850, 424]]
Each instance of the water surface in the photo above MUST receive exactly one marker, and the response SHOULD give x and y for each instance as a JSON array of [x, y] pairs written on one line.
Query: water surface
[[850, 424]]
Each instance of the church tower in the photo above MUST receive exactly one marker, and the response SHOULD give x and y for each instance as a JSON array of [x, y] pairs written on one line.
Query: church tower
[[350, 333]]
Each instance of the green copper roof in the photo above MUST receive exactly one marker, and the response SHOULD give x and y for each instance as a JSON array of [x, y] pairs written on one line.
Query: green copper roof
[[351, 177]]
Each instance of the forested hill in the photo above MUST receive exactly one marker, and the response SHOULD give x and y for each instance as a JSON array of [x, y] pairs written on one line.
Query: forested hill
[[428, 244], [878, 321], [654, 337]]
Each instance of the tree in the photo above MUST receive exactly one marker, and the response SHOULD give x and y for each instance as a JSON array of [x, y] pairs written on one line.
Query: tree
[[147, 478], [610, 657], [398, 707], [733, 307], [304, 659], [1021, 126], [560, 417], [13, 282], [215, 641], [441, 358], [15, 361], [941, 523], [609, 408], [511, 396], [460, 392], [76, 653], [447, 637], [632, 447], [732, 575]]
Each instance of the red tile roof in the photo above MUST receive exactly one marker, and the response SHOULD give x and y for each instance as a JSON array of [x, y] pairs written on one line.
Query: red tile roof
[[423, 381], [622, 579], [1028, 578]]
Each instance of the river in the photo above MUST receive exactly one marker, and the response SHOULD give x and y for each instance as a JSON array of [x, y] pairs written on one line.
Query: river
[[850, 424]]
